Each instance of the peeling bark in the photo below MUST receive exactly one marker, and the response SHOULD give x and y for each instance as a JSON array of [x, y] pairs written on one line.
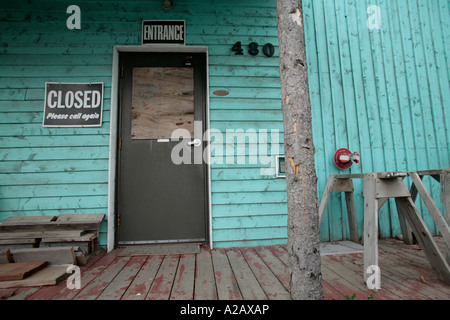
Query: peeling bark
[[301, 179]]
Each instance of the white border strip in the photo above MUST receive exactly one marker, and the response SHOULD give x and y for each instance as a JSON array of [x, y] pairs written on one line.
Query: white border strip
[[113, 128]]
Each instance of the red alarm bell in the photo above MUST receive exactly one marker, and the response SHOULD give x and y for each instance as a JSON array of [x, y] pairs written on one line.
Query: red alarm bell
[[344, 158]]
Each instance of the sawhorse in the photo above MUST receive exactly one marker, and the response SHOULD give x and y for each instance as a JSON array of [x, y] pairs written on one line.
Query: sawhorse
[[377, 189]]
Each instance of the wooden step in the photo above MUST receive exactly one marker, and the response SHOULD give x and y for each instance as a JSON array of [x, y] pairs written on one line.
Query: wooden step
[[28, 219], [40, 234], [88, 242], [62, 222], [54, 256]]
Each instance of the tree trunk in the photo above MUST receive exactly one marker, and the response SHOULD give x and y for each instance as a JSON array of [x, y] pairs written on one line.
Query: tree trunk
[[301, 179]]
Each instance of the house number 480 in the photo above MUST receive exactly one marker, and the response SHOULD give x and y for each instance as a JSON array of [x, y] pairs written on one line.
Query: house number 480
[[253, 49]]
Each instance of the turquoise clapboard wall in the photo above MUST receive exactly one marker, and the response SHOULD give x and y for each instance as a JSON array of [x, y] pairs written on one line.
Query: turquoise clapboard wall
[[51, 171], [383, 92]]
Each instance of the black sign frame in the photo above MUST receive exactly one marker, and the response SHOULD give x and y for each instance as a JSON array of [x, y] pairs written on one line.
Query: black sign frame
[[162, 27], [73, 104]]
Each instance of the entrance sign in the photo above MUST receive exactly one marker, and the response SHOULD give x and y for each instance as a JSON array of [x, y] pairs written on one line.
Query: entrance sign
[[164, 32], [73, 104]]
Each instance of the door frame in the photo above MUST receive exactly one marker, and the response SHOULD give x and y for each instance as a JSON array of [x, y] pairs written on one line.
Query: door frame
[[114, 128]]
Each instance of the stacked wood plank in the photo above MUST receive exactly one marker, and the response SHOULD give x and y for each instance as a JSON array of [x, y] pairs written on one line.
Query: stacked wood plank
[[36, 251], [80, 231], [31, 274], [20, 270]]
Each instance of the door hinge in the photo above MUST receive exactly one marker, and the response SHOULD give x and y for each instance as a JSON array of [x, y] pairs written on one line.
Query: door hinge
[[118, 219], [120, 143], [121, 73]]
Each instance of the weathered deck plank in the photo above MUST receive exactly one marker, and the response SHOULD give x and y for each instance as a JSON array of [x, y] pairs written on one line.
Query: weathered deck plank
[[89, 275], [117, 287], [143, 281], [243, 273], [205, 284], [93, 290], [340, 284], [248, 284], [52, 292], [413, 272], [351, 268], [227, 287], [162, 284], [183, 287], [279, 269], [17, 293], [268, 281]]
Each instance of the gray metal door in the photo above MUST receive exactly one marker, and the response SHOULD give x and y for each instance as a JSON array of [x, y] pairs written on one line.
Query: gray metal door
[[159, 200]]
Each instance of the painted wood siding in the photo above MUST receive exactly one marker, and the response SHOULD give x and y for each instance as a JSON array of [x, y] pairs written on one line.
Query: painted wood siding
[[248, 201], [50, 171], [382, 92]]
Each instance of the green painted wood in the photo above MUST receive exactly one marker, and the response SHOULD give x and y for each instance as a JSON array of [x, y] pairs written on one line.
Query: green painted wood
[[62, 190], [61, 153], [245, 59], [36, 129], [52, 203], [248, 197], [236, 104], [250, 125], [247, 115], [49, 71], [47, 141], [249, 185], [37, 178], [379, 92], [73, 161], [14, 82], [242, 71], [256, 93], [49, 59], [243, 82], [251, 222], [48, 166], [249, 208], [251, 243], [238, 174], [251, 234]]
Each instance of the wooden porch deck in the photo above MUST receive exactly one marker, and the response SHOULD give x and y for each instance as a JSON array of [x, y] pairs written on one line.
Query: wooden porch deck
[[258, 273]]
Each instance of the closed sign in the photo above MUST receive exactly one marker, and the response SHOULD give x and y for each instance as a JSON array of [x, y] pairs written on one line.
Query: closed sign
[[73, 104]]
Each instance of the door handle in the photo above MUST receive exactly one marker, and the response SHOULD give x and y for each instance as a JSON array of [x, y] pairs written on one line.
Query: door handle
[[195, 143]]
